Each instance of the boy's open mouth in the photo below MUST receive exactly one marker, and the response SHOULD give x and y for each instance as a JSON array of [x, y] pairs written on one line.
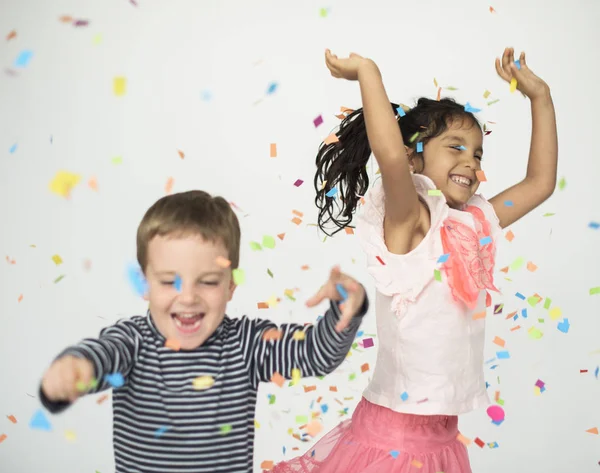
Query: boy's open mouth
[[187, 322]]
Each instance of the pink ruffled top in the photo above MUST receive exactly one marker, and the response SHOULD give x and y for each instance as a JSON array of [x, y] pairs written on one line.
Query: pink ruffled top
[[429, 305]]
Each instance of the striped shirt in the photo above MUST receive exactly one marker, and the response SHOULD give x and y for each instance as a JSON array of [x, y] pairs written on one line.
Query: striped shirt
[[163, 424]]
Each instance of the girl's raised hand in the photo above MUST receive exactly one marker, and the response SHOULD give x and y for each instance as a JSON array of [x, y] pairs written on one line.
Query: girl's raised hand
[[345, 68], [527, 82]]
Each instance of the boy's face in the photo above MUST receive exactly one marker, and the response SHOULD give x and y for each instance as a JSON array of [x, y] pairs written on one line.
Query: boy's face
[[191, 314]]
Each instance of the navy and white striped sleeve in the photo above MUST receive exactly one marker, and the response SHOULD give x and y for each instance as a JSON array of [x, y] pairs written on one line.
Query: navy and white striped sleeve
[[114, 351], [316, 352]]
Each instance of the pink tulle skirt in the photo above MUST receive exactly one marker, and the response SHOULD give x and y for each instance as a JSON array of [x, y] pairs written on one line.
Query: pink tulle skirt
[[379, 440]]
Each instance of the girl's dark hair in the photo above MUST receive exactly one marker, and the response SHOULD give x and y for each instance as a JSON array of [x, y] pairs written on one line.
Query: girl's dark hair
[[342, 164]]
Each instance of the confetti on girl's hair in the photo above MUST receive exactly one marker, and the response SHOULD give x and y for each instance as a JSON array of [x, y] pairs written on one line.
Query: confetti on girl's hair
[[420, 147], [470, 109], [414, 137], [203, 382], [513, 84], [173, 344], [181, 154], [222, 262], [318, 121], [480, 176]]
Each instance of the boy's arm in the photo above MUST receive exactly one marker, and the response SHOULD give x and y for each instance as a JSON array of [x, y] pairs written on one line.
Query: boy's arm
[[315, 350], [113, 353]]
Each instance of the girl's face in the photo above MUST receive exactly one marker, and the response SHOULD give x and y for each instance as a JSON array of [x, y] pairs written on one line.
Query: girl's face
[[451, 161]]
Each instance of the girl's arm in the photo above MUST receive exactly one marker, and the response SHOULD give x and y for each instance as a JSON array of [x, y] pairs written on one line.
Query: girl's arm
[[540, 180], [385, 140]]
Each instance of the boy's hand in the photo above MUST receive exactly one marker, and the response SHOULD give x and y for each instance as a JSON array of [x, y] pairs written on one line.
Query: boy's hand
[[353, 299], [68, 378]]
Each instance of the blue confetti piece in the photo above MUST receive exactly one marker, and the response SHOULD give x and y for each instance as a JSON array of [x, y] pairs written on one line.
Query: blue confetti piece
[[13, 148], [419, 147], [443, 258], [542, 389], [508, 203], [206, 95], [487, 385], [493, 367], [497, 422], [161, 430], [404, 396], [468, 108], [593, 225], [137, 280], [332, 192], [394, 453], [524, 313], [272, 88], [116, 380], [40, 422], [177, 283], [520, 296], [359, 334], [564, 326], [503, 355], [342, 291], [462, 148], [401, 111], [284, 450], [515, 317], [597, 372], [324, 408], [493, 444], [23, 58], [485, 240], [518, 64]]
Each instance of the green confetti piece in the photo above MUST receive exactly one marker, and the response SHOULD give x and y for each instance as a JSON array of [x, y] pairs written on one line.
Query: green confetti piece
[[355, 345], [414, 137], [352, 377], [255, 246], [320, 378], [269, 272], [493, 102], [93, 383], [541, 321], [272, 399], [59, 278], [533, 301], [301, 419], [501, 402], [549, 214], [434, 192], [450, 88], [517, 264], [437, 275], [239, 277], [547, 303], [323, 12], [225, 429], [117, 160], [290, 297], [535, 334], [594, 290], [81, 387], [562, 183], [268, 242]]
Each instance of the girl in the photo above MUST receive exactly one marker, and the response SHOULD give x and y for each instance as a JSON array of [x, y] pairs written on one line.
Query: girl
[[430, 242]]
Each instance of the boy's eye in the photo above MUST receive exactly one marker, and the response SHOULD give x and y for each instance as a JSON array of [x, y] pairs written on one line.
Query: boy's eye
[[211, 283], [167, 283]]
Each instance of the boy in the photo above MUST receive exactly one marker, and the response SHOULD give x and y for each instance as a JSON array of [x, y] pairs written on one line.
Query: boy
[[186, 375]]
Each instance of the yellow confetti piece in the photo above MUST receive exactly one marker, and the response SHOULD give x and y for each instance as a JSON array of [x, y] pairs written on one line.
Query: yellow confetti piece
[[97, 39], [64, 182], [272, 302], [513, 84], [117, 160], [203, 382], [57, 260], [299, 335], [119, 86], [70, 435], [555, 313], [486, 94], [256, 424], [296, 375]]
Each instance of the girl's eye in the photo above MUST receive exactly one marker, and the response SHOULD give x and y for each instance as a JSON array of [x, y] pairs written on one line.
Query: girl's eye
[[479, 157]]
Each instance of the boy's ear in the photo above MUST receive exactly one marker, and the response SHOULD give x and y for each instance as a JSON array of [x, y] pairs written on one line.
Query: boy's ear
[[232, 288]]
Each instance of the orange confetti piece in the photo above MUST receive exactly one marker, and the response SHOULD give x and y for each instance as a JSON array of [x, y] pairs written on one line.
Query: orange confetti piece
[[298, 213], [3, 438], [510, 236], [314, 427], [267, 465], [464, 440], [20, 297], [481, 175], [305, 267], [101, 399], [331, 139], [593, 430], [11, 35], [281, 236], [308, 389], [497, 394], [273, 151], [349, 231], [13, 419], [272, 334], [173, 344], [297, 220], [10, 261], [169, 185], [531, 266], [66, 19], [333, 389], [505, 269], [439, 93], [511, 315], [499, 341], [93, 184], [278, 379], [492, 10], [263, 305], [515, 328], [181, 154], [222, 262], [364, 367], [416, 463], [479, 315]]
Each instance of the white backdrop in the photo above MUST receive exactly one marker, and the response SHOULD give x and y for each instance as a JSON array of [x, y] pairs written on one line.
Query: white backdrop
[[197, 80]]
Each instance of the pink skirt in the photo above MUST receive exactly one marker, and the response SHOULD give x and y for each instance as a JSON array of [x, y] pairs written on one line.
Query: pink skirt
[[379, 440]]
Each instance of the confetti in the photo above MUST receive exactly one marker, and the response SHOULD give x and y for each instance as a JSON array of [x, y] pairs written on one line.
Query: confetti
[[12, 418], [481, 176], [332, 192], [594, 290], [239, 276], [496, 413], [169, 185], [137, 280], [562, 183], [225, 429], [11, 35], [434, 192], [298, 182], [401, 111], [116, 380], [203, 382], [267, 465], [13, 148], [63, 183], [564, 326], [222, 262], [318, 121], [485, 240], [470, 109], [23, 58], [464, 440], [503, 355], [3, 437], [173, 344], [368, 343], [593, 430], [57, 260], [119, 86], [278, 379], [40, 422], [420, 147], [272, 88], [273, 150], [161, 430], [513, 84], [499, 341]]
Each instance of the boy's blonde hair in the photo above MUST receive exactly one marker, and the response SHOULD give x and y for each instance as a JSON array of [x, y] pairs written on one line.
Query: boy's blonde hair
[[188, 213]]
